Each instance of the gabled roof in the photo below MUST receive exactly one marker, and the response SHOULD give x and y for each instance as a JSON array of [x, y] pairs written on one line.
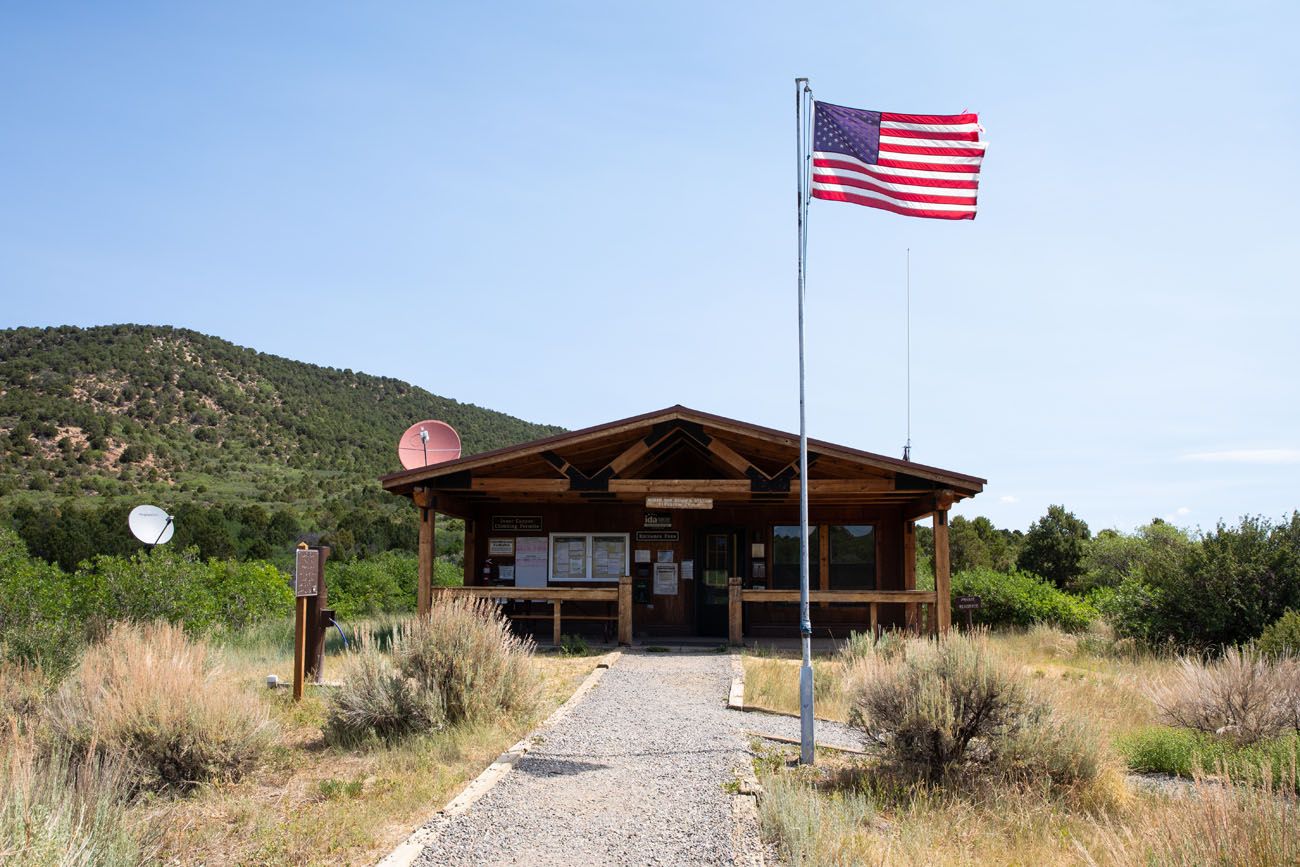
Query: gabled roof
[[679, 443]]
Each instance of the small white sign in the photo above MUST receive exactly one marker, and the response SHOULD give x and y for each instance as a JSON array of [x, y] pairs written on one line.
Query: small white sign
[[688, 570], [665, 579], [501, 547], [666, 556], [643, 555]]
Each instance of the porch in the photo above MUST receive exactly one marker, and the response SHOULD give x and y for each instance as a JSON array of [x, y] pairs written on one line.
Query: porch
[[683, 523]]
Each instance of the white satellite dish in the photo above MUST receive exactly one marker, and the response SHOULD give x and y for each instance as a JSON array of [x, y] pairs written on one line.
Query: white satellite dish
[[151, 525]]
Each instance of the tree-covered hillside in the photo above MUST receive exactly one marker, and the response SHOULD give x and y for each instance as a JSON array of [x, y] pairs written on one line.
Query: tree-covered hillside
[[99, 418]]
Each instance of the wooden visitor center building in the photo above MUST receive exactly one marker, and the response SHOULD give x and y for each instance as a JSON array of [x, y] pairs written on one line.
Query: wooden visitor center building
[[680, 523]]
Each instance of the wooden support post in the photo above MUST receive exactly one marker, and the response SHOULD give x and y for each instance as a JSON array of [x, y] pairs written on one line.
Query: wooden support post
[[300, 647], [909, 555], [555, 624], [735, 612], [875, 622], [424, 587], [625, 610], [942, 579]]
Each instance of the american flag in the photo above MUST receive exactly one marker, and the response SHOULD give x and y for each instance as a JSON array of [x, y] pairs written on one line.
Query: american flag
[[918, 165]]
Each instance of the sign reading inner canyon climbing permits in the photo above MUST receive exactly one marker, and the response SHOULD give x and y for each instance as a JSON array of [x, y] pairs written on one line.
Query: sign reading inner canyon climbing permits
[[516, 523]]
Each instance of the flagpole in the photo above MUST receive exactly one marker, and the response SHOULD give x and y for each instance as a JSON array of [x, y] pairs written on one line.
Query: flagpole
[[803, 102]]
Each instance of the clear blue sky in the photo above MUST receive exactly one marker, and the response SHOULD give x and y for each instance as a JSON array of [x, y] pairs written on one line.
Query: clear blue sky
[[575, 212]]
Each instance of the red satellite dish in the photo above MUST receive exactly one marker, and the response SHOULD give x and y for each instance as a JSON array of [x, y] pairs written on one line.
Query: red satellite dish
[[426, 443]]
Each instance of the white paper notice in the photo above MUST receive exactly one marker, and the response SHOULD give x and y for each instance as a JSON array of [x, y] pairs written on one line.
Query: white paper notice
[[665, 579]]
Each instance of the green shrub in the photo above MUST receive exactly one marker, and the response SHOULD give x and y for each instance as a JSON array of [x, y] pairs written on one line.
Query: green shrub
[[459, 664], [177, 587], [1184, 753], [378, 701], [381, 584], [1282, 636], [36, 620], [155, 698], [464, 650], [860, 645], [954, 708], [574, 645], [1021, 599], [1221, 592]]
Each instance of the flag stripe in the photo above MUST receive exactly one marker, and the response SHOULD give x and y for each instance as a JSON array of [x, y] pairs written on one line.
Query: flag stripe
[[933, 160], [932, 127], [923, 150], [938, 179], [892, 192], [893, 141], [939, 132], [935, 119], [905, 185], [889, 205]]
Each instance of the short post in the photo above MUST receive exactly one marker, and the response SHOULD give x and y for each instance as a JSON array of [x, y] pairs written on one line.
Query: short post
[[625, 610], [875, 622], [735, 612], [555, 627]]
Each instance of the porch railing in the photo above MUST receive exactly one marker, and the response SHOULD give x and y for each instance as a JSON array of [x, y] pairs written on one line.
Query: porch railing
[[621, 596], [920, 605]]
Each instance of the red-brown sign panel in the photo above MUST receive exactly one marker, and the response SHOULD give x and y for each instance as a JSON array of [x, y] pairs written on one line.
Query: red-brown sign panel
[[306, 573]]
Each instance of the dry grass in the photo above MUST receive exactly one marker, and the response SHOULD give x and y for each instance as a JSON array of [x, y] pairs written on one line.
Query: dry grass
[[817, 820], [361, 803], [157, 700], [845, 811], [1110, 688], [56, 809]]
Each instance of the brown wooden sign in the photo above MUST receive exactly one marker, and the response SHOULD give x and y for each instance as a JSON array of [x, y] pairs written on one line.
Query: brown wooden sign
[[306, 572], [516, 523], [679, 502], [968, 603]]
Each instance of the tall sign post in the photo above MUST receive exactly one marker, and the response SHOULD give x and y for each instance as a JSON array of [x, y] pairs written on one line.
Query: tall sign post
[[310, 619]]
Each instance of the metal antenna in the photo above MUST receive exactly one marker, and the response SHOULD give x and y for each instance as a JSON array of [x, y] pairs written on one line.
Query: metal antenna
[[424, 442], [907, 449]]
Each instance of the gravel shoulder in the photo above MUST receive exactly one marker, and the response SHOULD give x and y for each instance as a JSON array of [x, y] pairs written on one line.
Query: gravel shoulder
[[636, 774]]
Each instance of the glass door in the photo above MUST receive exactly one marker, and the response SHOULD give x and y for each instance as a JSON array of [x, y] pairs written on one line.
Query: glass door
[[717, 560]]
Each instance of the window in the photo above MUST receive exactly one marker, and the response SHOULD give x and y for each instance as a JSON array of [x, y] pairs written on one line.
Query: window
[[852, 556], [785, 558], [588, 556]]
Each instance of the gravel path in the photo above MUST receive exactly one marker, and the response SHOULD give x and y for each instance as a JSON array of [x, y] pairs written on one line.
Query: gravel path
[[633, 775]]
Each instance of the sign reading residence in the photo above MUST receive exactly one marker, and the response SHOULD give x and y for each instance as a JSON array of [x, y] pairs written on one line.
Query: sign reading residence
[[968, 603], [516, 523], [678, 502], [658, 536], [306, 572]]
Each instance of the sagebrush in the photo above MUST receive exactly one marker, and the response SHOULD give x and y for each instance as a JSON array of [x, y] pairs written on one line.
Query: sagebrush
[[156, 699], [955, 708], [460, 663]]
